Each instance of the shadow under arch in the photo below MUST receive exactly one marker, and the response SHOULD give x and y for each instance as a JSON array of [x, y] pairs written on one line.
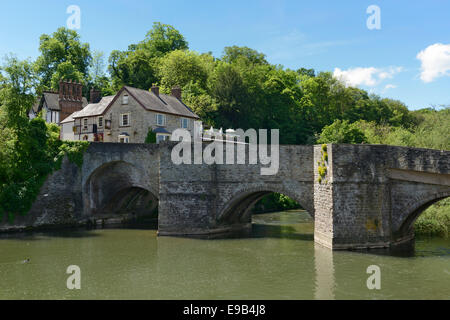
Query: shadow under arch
[[413, 211], [238, 210], [119, 188]]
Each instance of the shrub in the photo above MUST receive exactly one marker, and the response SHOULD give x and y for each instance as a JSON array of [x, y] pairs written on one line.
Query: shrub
[[151, 136]]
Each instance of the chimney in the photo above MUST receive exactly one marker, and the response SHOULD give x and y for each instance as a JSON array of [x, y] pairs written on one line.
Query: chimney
[[94, 96], [176, 92], [61, 89], [79, 92], [70, 98], [70, 86], [155, 90]]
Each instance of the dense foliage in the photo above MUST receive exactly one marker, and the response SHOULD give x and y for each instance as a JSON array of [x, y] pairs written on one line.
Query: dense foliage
[[29, 150], [240, 89]]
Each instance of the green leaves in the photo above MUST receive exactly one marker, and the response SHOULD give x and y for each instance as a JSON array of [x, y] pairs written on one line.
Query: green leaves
[[342, 132], [29, 149], [63, 47], [179, 68], [162, 39], [138, 66], [151, 136]]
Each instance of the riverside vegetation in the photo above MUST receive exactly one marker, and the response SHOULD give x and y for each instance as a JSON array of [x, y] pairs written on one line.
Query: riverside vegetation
[[240, 89]]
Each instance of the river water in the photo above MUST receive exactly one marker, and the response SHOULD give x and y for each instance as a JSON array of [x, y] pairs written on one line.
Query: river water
[[278, 261]]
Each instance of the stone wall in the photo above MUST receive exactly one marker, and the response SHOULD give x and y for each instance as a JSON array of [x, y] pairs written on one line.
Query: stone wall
[[59, 202], [368, 198], [208, 199], [377, 192]]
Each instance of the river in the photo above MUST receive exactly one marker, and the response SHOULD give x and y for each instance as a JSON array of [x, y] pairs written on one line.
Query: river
[[278, 261]]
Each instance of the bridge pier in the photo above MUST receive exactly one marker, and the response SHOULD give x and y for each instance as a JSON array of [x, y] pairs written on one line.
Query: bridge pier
[[352, 200], [371, 195]]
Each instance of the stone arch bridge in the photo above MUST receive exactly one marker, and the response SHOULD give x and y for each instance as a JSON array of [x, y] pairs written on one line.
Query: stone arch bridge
[[369, 195]]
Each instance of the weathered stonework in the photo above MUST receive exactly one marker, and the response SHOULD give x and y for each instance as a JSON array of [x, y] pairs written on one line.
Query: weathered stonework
[[369, 197]]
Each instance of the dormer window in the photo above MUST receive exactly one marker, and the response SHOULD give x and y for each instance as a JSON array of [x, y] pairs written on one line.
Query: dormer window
[[125, 99]]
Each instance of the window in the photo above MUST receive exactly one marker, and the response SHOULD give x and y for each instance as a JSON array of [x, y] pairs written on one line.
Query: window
[[100, 122], [124, 119], [85, 124], [160, 119], [184, 123], [161, 137], [125, 99]]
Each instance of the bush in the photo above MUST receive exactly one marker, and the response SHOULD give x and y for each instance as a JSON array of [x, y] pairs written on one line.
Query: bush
[[151, 136], [342, 132], [275, 202]]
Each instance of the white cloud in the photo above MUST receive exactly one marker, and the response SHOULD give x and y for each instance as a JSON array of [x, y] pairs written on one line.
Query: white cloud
[[370, 76], [390, 86], [435, 61]]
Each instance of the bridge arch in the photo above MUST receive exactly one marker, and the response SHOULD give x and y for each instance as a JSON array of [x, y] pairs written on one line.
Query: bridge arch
[[237, 209], [414, 209], [119, 187]]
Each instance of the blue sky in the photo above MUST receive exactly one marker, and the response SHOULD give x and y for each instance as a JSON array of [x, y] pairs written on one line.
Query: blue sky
[[324, 35]]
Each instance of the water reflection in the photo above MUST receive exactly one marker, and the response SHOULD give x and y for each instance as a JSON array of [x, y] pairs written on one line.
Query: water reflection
[[279, 260], [324, 267]]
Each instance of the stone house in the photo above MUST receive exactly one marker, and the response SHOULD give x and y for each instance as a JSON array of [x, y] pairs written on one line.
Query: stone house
[[57, 106], [129, 115]]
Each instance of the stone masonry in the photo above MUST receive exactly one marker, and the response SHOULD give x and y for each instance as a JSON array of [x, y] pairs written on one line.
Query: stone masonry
[[369, 197]]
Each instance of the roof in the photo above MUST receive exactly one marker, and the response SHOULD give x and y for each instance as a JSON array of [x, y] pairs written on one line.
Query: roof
[[70, 118], [52, 100], [95, 109], [161, 103]]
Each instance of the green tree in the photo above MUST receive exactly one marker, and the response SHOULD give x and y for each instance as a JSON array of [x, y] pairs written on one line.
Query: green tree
[[231, 97], [29, 150], [341, 132], [134, 68], [235, 53], [181, 67], [162, 39], [138, 66], [63, 46]]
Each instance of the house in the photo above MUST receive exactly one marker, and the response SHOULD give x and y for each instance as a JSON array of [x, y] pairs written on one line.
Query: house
[[129, 115], [57, 106]]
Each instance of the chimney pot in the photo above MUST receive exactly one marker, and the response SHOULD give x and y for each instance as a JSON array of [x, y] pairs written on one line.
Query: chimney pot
[[176, 92], [94, 96], [155, 90]]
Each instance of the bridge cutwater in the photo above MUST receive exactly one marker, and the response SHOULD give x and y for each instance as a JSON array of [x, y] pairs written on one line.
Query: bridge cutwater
[[365, 196]]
